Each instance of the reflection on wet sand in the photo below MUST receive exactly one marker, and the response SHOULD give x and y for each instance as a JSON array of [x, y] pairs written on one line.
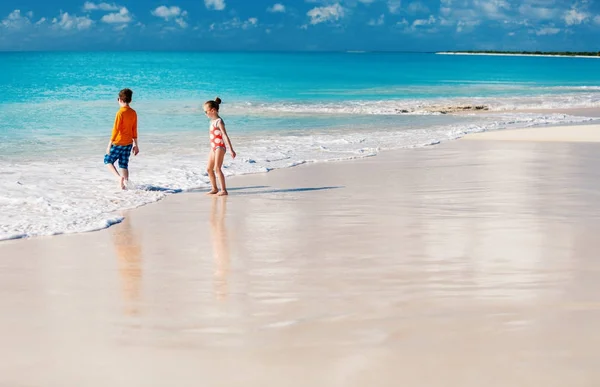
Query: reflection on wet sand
[[128, 251], [218, 232]]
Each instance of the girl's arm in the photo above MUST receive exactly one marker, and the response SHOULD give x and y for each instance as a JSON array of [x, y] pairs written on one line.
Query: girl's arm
[[221, 126]]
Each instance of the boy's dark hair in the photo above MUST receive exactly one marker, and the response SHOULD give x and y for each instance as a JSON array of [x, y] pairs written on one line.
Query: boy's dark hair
[[213, 104], [126, 95]]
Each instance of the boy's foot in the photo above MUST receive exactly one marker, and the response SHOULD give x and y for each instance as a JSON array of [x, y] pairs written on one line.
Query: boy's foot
[[123, 183], [212, 192], [222, 193]]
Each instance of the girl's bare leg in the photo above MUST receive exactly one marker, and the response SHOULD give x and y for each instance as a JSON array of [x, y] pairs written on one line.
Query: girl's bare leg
[[219, 156], [210, 169]]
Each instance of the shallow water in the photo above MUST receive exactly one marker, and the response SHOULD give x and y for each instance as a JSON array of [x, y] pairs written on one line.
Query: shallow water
[[281, 110]]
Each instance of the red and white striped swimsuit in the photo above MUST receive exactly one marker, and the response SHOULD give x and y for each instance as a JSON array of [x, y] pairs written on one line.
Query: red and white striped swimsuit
[[216, 137]]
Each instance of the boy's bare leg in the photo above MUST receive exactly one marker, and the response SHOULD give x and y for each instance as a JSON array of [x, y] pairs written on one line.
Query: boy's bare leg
[[112, 168], [116, 173], [211, 173], [124, 178]]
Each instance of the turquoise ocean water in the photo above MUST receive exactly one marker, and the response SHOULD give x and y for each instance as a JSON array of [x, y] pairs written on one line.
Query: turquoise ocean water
[[281, 110]]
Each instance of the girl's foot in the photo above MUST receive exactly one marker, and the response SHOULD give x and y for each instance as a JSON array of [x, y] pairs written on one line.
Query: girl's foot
[[212, 192], [222, 193], [123, 183]]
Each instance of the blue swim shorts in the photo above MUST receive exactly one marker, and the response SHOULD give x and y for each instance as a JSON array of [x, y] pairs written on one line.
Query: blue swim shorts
[[119, 152]]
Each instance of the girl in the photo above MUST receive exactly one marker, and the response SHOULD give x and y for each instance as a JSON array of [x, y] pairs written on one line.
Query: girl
[[218, 137]]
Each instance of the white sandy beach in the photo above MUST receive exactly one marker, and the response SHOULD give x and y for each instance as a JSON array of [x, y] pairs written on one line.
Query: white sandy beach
[[469, 264], [512, 54], [574, 133]]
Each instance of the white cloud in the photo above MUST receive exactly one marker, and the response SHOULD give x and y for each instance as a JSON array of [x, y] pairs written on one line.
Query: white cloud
[[465, 15], [520, 23], [366, 1], [168, 12], [541, 13], [276, 8], [29, 14], [417, 6], [172, 13], [89, 6], [547, 31], [15, 20], [377, 22], [41, 21], [463, 26], [574, 16], [423, 22], [68, 22], [597, 19], [123, 16], [234, 24], [217, 5], [323, 14], [446, 22], [493, 9], [394, 5]]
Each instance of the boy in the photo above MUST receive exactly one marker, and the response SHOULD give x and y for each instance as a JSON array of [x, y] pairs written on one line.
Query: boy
[[123, 139]]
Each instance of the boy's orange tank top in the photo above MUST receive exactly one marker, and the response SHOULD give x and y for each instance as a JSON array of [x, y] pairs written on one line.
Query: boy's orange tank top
[[125, 127]]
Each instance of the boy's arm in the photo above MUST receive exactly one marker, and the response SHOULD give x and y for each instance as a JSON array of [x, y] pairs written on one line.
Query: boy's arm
[[222, 127], [136, 148], [113, 136], [108, 146]]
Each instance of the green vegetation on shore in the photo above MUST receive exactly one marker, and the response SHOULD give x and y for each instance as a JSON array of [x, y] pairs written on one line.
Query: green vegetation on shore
[[560, 53]]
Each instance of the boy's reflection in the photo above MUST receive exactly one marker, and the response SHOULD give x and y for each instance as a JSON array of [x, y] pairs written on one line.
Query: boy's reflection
[[130, 265], [221, 250]]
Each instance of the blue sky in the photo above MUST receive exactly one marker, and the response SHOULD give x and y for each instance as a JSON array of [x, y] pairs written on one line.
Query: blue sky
[[395, 25]]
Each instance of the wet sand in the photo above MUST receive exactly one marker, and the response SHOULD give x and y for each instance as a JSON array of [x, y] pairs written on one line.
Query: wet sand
[[472, 263]]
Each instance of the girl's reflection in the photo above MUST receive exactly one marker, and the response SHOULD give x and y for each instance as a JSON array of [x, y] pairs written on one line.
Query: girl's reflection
[[220, 247]]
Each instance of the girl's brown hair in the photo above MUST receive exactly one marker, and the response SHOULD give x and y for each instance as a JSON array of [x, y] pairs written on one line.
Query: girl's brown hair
[[213, 104]]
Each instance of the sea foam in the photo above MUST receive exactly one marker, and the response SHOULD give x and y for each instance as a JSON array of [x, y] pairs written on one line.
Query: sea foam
[[76, 194]]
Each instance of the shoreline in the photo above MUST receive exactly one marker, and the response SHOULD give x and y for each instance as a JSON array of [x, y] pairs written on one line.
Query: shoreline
[[552, 132]]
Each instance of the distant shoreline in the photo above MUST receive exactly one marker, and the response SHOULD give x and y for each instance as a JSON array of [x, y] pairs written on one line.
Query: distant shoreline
[[525, 53]]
